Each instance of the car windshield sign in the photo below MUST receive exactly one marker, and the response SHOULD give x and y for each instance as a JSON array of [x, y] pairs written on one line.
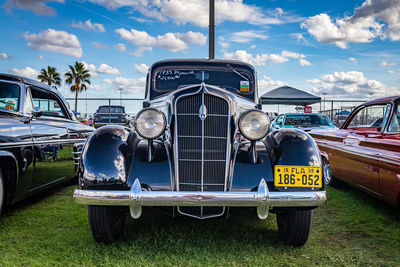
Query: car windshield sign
[[237, 80], [9, 96], [307, 120], [111, 110]]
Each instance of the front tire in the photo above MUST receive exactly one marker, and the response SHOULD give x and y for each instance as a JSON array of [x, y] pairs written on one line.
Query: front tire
[[294, 226], [107, 223]]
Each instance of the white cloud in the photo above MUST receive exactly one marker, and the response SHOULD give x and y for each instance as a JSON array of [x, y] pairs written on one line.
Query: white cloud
[[261, 60], [351, 84], [27, 72], [40, 57], [132, 86], [352, 60], [55, 41], [387, 64], [139, 52], [373, 19], [196, 11], [173, 42], [39, 7], [141, 68], [248, 36], [391, 71], [120, 47], [99, 46], [96, 87], [304, 62], [89, 26], [266, 83], [4, 56], [103, 68], [252, 46]]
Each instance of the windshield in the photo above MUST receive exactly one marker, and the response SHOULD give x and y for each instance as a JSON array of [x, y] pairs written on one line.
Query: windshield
[[111, 110], [237, 80], [307, 120], [9, 96]]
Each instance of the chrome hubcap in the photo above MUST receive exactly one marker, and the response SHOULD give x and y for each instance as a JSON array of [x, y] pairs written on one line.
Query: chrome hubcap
[[327, 172]]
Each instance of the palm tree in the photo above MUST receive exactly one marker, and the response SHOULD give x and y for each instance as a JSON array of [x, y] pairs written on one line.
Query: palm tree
[[79, 77], [50, 76]]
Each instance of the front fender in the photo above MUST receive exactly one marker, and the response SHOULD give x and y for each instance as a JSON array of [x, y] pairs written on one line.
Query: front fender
[[106, 157]]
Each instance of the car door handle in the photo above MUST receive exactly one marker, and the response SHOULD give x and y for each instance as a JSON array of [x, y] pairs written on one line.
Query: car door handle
[[351, 141]]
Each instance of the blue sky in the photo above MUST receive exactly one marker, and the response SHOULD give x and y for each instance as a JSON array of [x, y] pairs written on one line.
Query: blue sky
[[347, 49]]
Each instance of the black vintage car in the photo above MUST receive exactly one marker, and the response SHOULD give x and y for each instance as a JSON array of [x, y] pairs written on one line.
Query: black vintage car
[[200, 147], [39, 138], [107, 115]]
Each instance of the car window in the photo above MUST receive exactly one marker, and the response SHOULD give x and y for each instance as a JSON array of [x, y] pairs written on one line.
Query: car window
[[369, 117], [107, 109], [236, 80], [280, 118], [9, 96], [307, 120], [48, 103], [394, 125]]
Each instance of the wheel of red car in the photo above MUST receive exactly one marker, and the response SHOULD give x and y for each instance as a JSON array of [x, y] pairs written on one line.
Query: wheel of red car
[[107, 223], [327, 171], [2, 192], [294, 226]]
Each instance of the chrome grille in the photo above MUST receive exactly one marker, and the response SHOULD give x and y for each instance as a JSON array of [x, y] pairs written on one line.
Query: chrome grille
[[201, 144]]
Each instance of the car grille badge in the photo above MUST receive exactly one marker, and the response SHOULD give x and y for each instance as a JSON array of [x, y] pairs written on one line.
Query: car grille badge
[[203, 112]]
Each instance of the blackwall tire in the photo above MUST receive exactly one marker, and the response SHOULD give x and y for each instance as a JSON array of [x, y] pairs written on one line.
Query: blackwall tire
[[2, 193], [294, 226], [107, 223]]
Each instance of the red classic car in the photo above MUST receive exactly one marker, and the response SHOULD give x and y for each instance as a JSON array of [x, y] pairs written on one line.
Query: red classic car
[[365, 151]]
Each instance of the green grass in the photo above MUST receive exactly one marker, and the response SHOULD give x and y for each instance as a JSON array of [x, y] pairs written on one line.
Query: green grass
[[352, 229]]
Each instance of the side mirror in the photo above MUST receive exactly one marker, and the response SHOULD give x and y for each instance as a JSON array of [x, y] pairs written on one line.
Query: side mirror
[[37, 112], [334, 123]]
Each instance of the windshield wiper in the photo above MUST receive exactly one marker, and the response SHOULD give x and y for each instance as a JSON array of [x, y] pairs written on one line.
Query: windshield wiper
[[235, 71]]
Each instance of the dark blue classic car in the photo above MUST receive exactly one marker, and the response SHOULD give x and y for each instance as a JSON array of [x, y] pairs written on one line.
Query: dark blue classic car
[[39, 138], [200, 147]]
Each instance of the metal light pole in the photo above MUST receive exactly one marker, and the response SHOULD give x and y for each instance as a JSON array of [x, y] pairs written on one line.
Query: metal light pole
[[324, 94], [211, 32], [120, 95]]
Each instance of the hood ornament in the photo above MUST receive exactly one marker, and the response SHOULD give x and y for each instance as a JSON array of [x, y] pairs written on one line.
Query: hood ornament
[[203, 112]]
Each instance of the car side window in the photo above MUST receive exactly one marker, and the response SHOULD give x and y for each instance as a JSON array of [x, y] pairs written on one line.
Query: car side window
[[394, 125], [50, 105], [369, 117], [9, 96], [28, 107], [279, 119]]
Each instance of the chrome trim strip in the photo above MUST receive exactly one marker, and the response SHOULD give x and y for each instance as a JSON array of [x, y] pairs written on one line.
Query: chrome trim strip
[[42, 142], [262, 199], [380, 157]]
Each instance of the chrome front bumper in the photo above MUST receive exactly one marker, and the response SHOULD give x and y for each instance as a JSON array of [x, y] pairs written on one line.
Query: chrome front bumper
[[262, 199]]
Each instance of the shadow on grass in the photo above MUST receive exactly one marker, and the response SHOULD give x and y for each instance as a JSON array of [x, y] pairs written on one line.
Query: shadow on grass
[[38, 197], [241, 229]]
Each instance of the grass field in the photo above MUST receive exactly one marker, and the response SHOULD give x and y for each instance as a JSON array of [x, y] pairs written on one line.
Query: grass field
[[50, 230]]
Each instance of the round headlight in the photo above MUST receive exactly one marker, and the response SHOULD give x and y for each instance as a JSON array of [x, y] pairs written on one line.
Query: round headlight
[[150, 123], [254, 124]]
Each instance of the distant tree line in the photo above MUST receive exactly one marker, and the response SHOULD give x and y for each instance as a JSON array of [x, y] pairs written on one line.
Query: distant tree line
[[77, 76]]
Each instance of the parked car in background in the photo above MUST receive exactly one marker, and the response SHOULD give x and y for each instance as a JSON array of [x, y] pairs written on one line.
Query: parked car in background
[[365, 151], [304, 121], [40, 138], [107, 115], [200, 146]]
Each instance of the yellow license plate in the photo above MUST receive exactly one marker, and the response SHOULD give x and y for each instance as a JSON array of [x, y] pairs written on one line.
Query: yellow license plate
[[298, 176]]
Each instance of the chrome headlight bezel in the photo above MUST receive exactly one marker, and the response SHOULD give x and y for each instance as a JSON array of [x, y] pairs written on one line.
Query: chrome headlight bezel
[[156, 134], [245, 132]]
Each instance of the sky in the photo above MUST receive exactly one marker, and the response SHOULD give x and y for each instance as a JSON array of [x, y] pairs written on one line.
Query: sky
[[346, 49]]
